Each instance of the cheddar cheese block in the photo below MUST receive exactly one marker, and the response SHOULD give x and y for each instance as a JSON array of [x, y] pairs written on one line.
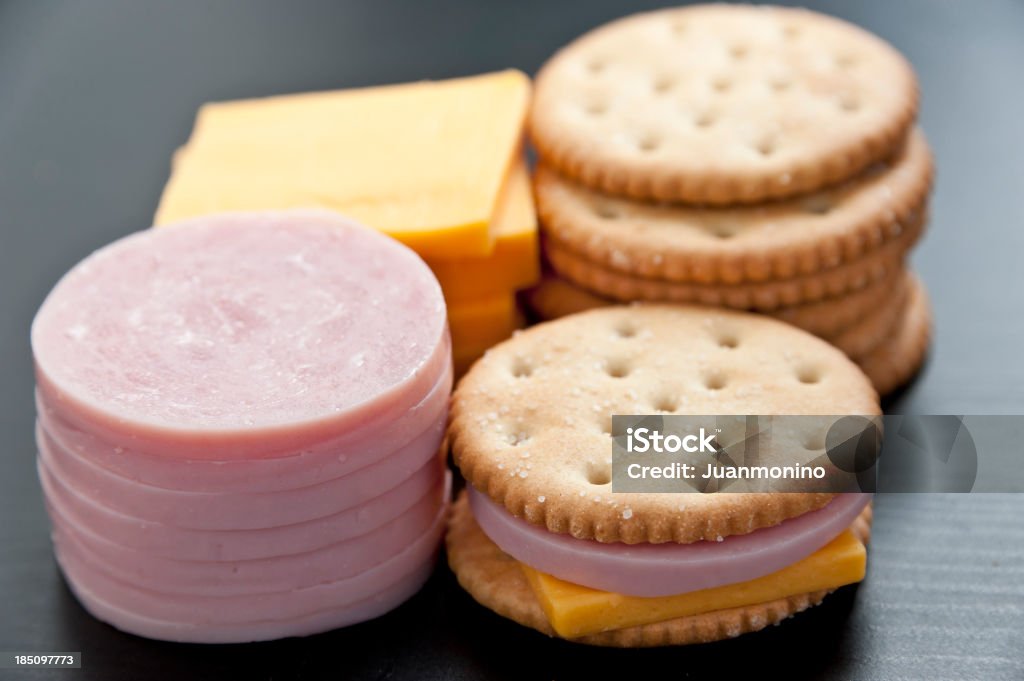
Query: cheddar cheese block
[[423, 162], [463, 361], [483, 323], [575, 610], [515, 261], [464, 355]]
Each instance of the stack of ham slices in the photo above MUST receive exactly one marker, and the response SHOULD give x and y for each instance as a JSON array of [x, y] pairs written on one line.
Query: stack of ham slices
[[239, 420]]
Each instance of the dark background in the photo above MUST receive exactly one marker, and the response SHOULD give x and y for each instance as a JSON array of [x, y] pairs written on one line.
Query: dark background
[[94, 97]]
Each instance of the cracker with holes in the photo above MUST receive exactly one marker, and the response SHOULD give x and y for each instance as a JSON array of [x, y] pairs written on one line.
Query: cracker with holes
[[856, 323], [721, 104], [540, 537], [729, 245], [876, 327], [894, 361], [765, 296]]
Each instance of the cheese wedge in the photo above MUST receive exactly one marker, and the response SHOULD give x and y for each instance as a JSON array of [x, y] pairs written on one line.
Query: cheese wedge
[[464, 355], [483, 323], [463, 361], [423, 162], [575, 610], [515, 261]]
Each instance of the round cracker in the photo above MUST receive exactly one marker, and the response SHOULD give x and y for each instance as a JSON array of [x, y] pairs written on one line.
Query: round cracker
[[721, 104], [894, 362], [555, 297], [763, 296], [830, 316], [779, 240], [877, 326], [530, 422], [495, 580]]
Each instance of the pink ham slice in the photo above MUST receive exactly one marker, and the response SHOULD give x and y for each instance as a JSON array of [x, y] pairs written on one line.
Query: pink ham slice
[[241, 336], [237, 510], [268, 575], [251, 608], [172, 542], [666, 569], [325, 461], [369, 607]]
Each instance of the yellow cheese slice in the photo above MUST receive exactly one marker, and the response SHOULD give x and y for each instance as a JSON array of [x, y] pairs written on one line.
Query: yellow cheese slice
[[463, 362], [464, 354], [483, 323], [515, 261], [575, 610], [423, 162]]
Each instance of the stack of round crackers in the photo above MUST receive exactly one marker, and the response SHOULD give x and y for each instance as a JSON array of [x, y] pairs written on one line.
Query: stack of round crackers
[[752, 158]]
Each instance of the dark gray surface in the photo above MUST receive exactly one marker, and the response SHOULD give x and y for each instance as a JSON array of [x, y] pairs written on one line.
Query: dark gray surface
[[94, 97]]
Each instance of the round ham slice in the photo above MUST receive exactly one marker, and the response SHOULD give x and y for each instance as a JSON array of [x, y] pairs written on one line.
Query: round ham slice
[[171, 542], [236, 510], [338, 561], [241, 335], [370, 607], [341, 455], [666, 569], [205, 510], [251, 608]]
